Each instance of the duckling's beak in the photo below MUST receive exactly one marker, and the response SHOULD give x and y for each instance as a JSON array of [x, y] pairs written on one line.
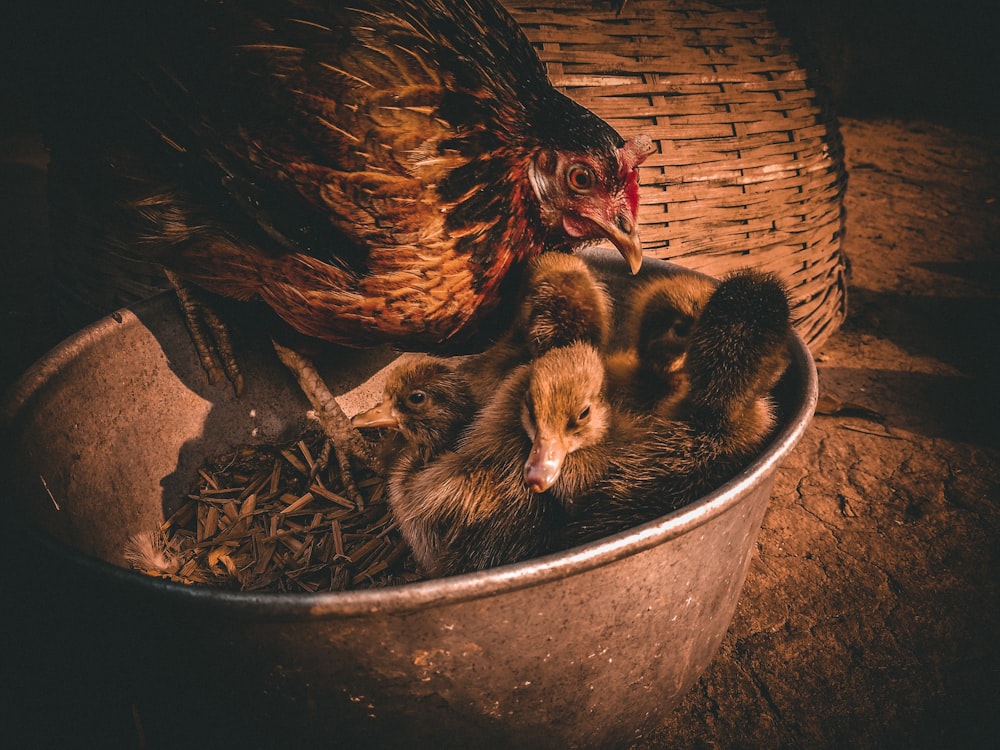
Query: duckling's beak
[[380, 415], [544, 463], [674, 366]]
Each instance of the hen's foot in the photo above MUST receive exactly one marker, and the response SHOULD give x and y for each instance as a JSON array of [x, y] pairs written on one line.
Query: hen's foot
[[346, 442], [209, 333]]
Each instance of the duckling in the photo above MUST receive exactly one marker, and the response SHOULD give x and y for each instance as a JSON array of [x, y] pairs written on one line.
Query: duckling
[[739, 349], [498, 497], [427, 402], [649, 368], [559, 301], [572, 426], [737, 352]]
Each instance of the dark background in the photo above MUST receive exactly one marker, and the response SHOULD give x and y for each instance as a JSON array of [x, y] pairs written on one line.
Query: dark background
[[902, 58], [909, 58]]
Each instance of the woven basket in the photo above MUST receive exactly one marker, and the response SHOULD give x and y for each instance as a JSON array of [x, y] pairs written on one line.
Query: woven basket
[[749, 169]]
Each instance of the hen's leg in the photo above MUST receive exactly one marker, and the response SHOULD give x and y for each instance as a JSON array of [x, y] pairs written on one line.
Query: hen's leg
[[210, 335], [346, 441], [214, 346]]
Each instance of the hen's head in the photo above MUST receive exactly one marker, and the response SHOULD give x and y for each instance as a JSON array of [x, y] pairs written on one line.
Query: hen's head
[[586, 180], [539, 171]]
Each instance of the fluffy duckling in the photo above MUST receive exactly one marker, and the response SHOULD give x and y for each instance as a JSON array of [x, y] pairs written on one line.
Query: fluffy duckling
[[572, 426], [427, 402], [737, 352], [559, 301], [497, 498], [648, 372]]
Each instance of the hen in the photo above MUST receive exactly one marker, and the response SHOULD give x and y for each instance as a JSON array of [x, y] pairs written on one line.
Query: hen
[[377, 173], [373, 173]]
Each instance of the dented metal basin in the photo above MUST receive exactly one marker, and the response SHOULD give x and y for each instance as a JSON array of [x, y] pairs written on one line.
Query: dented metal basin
[[587, 648]]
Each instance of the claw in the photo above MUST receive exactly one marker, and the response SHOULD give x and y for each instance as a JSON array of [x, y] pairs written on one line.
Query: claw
[[209, 333]]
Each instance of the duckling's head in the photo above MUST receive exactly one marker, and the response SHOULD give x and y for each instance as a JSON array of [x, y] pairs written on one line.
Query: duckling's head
[[563, 410], [562, 302], [425, 399], [664, 312], [739, 347]]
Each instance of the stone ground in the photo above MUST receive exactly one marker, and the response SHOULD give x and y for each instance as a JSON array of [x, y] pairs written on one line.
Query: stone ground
[[870, 615]]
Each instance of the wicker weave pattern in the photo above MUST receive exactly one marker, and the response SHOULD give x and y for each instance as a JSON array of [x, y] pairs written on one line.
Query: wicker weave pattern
[[749, 169]]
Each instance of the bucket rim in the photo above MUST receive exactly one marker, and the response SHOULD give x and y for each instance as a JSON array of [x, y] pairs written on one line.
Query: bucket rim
[[431, 592]]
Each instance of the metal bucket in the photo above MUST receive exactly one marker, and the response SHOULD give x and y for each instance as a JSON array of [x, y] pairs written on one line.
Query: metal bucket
[[586, 648]]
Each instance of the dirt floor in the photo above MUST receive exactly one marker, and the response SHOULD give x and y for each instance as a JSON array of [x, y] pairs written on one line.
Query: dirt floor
[[871, 614]]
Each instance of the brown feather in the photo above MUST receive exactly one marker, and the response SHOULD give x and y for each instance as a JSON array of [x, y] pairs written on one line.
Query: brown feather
[[366, 170]]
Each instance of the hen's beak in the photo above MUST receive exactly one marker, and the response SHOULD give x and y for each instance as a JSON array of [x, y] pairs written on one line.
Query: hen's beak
[[544, 463], [380, 415], [623, 231], [618, 226], [623, 228]]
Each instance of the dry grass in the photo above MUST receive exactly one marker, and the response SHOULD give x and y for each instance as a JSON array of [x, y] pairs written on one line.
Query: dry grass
[[272, 518]]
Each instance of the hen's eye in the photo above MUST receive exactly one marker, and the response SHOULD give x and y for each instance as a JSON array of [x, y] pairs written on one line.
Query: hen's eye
[[584, 414], [580, 178], [416, 398]]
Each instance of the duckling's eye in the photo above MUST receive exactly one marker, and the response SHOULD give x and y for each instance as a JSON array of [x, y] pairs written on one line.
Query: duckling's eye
[[416, 398], [681, 329], [580, 178], [573, 424]]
